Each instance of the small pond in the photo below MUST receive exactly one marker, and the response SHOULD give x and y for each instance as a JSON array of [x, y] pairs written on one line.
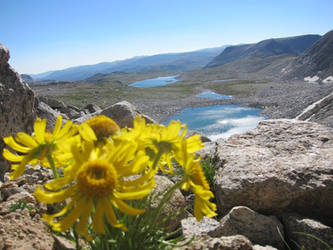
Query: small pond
[[155, 82], [219, 121], [225, 80], [212, 95]]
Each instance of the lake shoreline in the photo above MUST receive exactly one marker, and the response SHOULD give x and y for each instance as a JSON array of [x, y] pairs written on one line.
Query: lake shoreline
[[284, 100]]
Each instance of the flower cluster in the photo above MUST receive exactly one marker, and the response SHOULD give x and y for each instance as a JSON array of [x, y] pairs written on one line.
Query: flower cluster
[[102, 167]]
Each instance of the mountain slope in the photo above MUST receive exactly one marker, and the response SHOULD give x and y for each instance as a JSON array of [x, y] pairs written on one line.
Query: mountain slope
[[264, 49], [174, 61], [315, 61]]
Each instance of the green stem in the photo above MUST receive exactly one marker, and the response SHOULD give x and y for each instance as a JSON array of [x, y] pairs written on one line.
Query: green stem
[[157, 158], [54, 170], [166, 198], [76, 238]]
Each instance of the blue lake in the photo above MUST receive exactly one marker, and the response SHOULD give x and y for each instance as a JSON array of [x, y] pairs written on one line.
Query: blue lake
[[155, 82], [212, 95], [219, 121]]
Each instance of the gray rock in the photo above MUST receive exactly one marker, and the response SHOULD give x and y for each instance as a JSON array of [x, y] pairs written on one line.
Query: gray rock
[[123, 113], [235, 242], [208, 150], [53, 103], [192, 227], [320, 111], [259, 229], [92, 108], [61, 243], [74, 108], [17, 100], [297, 226], [258, 247], [46, 112], [84, 118], [71, 113], [8, 189], [283, 165], [176, 203]]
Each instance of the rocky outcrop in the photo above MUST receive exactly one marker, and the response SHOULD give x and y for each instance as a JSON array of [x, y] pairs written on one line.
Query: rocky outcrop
[[307, 233], [175, 204], [235, 242], [21, 226], [317, 61], [259, 229], [191, 227], [46, 112], [124, 113], [320, 111], [17, 100], [283, 165]]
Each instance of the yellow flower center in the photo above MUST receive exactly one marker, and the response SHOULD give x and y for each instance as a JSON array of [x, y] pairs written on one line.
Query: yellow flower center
[[103, 126], [97, 179]]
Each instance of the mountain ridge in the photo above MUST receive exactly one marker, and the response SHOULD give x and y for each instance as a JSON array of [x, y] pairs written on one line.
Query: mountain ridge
[[185, 61], [316, 61], [266, 48]]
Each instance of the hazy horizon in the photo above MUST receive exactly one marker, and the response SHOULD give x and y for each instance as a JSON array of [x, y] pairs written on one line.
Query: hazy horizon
[[52, 35]]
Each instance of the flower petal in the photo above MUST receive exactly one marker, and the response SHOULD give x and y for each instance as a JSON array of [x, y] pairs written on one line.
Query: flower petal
[[58, 183], [123, 207], [87, 133], [53, 197], [12, 157], [65, 129], [50, 217], [18, 169], [14, 145], [70, 218], [136, 195], [57, 126], [194, 144], [26, 140], [98, 224], [111, 217], [82, 226], [39, 129]]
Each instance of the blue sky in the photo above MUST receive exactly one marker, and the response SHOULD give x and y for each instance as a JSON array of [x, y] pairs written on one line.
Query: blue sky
[[47, 35]]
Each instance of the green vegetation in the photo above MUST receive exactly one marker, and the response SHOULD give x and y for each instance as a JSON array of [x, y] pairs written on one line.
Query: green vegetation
[[109, 89], [209, 170], [21, 205], [145, 231]]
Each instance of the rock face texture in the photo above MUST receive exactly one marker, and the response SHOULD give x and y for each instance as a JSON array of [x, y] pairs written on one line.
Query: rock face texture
[[304, 231], [16, 104], [315, 61], [259, 229], [235, 242], [283, 165], [123, 113], [320, 111], [190, 226], [175, 204]]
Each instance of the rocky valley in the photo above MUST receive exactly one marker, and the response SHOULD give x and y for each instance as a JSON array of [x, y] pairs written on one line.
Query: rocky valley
[[273, 185]]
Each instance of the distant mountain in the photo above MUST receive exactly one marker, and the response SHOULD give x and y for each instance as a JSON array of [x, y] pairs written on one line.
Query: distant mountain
[[315, 61], [264, 49], [186, 61], [27, 78]]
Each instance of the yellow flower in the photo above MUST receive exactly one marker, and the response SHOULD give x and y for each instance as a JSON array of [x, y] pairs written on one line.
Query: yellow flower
[[103, 126], [99, 181], [202, 205], [196, 180], [34, 148]]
